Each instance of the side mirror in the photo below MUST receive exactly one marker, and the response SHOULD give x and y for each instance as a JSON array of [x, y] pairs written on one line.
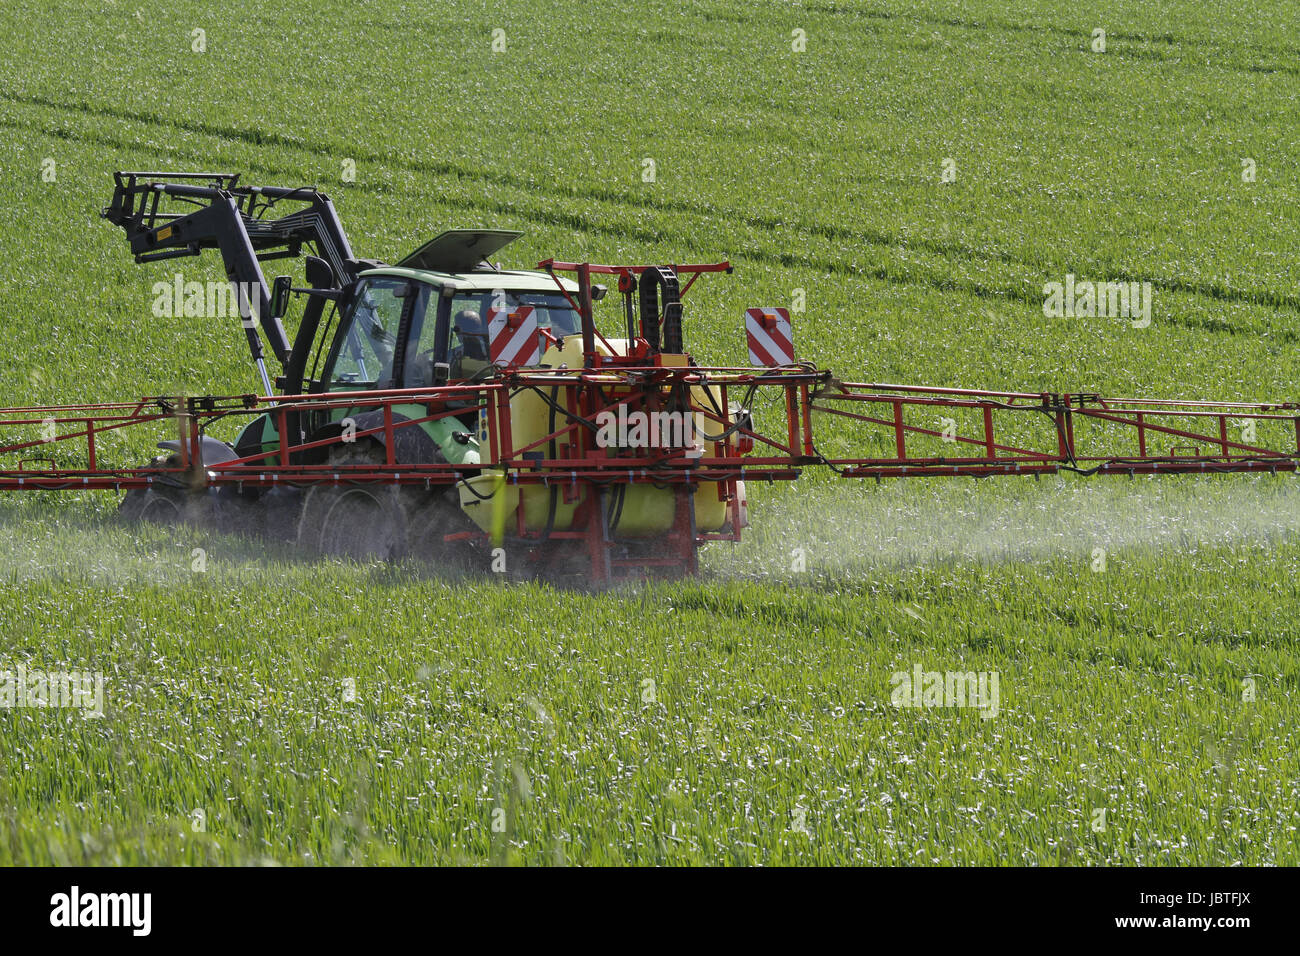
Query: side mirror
[[319, 273], [598, 291], [280, 290]]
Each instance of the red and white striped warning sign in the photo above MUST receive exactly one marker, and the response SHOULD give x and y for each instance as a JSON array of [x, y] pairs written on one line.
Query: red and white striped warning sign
[[512, 337], [771, 342]]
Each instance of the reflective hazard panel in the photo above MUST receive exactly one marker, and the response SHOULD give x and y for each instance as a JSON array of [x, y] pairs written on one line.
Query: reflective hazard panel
[[513, 337], [771, 343]]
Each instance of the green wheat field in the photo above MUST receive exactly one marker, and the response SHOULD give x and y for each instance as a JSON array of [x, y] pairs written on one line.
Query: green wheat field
[[919, 171]]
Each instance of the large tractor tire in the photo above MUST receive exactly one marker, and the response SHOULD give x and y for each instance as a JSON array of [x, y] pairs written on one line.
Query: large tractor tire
[[354, 520], [387, 522]]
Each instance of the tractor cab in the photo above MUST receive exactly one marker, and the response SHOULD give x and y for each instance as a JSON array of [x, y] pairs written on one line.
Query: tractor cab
[[408, 328], [444, 315]]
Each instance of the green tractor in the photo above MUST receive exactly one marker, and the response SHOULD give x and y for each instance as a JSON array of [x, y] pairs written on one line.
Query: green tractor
[[366, 327]]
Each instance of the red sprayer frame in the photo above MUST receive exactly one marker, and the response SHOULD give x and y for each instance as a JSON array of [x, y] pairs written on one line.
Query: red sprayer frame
[[1200, 436]]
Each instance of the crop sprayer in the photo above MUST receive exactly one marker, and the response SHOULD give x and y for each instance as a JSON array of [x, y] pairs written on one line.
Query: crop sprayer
[[442, 406]]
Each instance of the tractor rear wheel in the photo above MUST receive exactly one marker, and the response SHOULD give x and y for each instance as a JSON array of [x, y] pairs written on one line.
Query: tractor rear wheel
[[353, 520], [384, 521], [357, 522]]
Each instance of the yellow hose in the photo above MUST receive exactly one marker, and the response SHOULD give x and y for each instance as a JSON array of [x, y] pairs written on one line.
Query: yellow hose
[[499, 510]]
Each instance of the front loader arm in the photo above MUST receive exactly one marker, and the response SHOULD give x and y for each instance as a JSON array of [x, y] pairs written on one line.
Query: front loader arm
[[166, 215]]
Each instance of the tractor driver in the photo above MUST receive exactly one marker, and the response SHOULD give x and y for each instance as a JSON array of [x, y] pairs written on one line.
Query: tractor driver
[[471, 355]]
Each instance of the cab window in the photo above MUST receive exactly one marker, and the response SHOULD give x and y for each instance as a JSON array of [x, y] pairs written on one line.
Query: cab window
[[367, 338], [467, 351], [422, 343], [366, 342]]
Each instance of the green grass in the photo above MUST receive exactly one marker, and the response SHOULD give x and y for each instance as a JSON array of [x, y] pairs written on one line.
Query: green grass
[[1122, 689]]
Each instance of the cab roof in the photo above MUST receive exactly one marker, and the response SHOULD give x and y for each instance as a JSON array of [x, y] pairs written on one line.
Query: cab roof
[[458, 260], [484, 281], [459, 250]]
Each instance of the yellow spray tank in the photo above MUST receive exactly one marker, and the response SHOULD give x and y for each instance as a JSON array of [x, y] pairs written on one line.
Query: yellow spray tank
[[645, 510]]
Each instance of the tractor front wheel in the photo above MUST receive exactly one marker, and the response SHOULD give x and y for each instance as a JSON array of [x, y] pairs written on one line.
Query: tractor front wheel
[[160, 504]]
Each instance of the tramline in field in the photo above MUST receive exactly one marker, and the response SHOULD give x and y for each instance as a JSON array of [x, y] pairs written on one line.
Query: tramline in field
[[443, 406]]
